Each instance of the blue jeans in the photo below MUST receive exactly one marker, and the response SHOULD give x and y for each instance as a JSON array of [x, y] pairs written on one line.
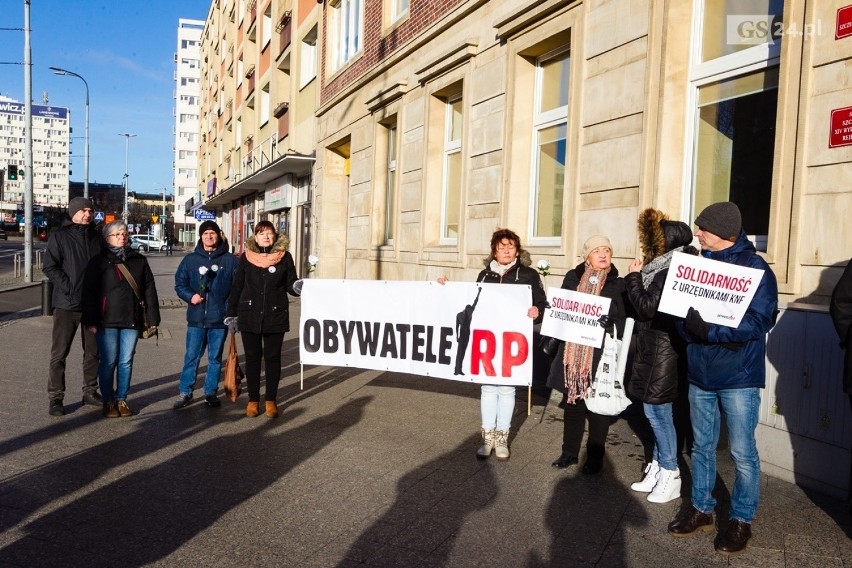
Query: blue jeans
[[665, 439], [197, 340], [497, 404], [741, 412], [116, 347]]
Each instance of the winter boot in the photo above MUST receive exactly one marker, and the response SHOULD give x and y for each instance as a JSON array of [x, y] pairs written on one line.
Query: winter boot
[[667, 487], [652, 472], [488, 441], [501, 445]]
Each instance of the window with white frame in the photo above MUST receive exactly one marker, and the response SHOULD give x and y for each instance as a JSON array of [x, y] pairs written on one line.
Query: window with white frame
[[391, 183], [396, 9], [347, 26], [264, 105], [452, 170], [734, 81], [266, 29], [550, 143], [308, 61]]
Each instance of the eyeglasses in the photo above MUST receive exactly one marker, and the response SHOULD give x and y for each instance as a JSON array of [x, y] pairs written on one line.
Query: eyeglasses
[[117, 234]]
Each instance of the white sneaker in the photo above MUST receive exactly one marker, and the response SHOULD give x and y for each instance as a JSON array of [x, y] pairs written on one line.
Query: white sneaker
[[652, 472], [667, 487]]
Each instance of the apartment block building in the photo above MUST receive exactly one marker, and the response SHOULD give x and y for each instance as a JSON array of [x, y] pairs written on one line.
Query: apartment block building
[[51, 134], [442, 120], [258, 97], [186, 112]]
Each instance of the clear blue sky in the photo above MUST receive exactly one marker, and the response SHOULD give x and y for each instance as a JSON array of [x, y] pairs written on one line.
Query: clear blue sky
[[125, 51]]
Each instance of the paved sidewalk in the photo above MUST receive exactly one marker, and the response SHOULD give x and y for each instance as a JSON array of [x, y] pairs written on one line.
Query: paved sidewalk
[[360, 468]]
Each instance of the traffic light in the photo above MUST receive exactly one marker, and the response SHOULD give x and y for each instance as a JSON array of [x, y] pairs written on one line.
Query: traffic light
[[13, 172]]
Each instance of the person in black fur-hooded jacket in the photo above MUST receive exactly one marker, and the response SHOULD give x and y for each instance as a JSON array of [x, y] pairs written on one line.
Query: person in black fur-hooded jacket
[[659, 362]]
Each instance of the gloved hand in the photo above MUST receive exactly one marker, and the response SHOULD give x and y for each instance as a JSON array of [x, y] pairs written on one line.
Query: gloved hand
[[697, 326], [297, 286], [607, 323], [232, 324]]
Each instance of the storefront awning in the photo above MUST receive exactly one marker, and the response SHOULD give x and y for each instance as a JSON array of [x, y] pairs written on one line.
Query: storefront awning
[[294, 164]]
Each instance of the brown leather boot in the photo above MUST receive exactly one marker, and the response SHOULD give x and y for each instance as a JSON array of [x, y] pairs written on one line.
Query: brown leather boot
[[690, 521], [252, 410], [271, 409], [733, 538]]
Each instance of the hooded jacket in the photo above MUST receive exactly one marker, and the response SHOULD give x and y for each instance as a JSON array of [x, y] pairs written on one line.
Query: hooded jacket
[[69, 251], [660, 352], [259, 295], [519, 273], [109, 300], [715, 365], [214, 285]]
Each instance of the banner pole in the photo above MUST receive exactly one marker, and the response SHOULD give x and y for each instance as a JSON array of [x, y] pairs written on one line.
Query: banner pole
[[529, 400], [301, 376]]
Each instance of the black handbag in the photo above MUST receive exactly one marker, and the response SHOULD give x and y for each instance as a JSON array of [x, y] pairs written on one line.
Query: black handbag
[[549, 345]]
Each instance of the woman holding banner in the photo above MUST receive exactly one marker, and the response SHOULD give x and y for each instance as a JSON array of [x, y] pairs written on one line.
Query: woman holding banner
[[659, 363], [259, 309], [508, 263], [574, 365]]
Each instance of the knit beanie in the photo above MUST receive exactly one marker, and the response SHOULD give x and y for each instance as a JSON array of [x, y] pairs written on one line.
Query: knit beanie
[[722, 219], [594, 242], [77, 204], [208, 225]]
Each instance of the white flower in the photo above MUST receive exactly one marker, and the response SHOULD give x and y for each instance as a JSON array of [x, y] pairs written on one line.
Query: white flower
[[214, 268], [202, 270], [313, 260], [543, 267]]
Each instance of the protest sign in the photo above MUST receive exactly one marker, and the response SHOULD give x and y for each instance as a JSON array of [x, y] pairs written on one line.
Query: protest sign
[[721, 292], [573, 316], [462, 331]]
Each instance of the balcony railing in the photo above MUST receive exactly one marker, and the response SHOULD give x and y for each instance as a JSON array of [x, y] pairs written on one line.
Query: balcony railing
[[260, 156]]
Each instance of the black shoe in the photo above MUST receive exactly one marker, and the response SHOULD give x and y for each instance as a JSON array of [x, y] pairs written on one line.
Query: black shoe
[[56, 408], [182, 401], [689, 521], [734, 538], [594, 460], [213, 401], [565, 461], [92, 398]]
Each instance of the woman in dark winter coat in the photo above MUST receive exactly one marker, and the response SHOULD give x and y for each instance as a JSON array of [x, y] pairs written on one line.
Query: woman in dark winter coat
[[659, 363], [265, 274], [113, 312], [508, 263], [574, 366]]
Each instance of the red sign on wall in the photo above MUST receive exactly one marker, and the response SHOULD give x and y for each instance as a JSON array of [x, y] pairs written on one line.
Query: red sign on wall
[[844, 22], [841, 128]]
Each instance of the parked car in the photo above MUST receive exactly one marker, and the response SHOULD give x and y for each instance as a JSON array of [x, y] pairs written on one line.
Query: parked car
[[146, 243]]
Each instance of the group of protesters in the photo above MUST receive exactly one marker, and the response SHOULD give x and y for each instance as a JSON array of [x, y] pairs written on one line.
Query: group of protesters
[[109, 289]]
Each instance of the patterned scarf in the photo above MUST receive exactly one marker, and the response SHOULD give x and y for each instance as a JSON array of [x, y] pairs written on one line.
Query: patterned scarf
[[578, 358], [660, 263]]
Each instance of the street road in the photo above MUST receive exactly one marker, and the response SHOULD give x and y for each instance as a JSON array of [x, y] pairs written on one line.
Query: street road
[[8, 250], [20, 299]]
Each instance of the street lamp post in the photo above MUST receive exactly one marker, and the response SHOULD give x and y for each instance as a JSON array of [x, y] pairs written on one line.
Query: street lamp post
[[60, 71], [127, 138]]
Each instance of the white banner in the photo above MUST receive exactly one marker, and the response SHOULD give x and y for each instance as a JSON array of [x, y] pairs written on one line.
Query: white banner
[[721, 292], [462, 331], [573, 316]]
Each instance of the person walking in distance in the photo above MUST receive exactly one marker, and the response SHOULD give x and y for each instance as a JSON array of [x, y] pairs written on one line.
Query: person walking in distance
[[69, 251], [726, 372], [203, 280]]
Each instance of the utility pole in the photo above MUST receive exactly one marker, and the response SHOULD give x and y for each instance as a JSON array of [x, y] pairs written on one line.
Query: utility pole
[[127, 138], [28, 149]]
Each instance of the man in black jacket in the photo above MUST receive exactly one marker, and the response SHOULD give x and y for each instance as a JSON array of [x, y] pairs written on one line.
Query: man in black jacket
[[68, 253]]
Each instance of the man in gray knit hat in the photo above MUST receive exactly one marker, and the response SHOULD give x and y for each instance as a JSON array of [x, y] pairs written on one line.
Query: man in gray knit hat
[[726, 372], [68, 253]]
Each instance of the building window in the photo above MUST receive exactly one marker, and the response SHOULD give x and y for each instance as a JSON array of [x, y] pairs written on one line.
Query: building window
[[264, 105], [396, 9], [452, 182], [267, 27], [735, 89], [391, 184], [550, 151], [347, 17], [308, 61]]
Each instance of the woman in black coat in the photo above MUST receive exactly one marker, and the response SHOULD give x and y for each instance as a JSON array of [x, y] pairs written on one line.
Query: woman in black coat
[[659, 363], [574, 366], [112, 311], [265, 274]]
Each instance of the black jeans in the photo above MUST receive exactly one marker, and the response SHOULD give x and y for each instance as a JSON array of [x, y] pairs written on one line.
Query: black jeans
[[572, 433], [65, 324], [268, 347]]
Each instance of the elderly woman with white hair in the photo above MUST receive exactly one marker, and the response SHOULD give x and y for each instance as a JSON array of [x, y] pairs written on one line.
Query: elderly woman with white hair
[[574, 366]]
